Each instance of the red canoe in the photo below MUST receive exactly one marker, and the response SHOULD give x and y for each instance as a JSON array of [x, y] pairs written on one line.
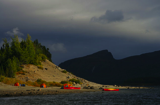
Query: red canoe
[[72, 87], [69, 86], [110, 89]]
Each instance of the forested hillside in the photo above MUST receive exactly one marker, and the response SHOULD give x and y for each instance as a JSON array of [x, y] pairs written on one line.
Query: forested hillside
[[16, 53]]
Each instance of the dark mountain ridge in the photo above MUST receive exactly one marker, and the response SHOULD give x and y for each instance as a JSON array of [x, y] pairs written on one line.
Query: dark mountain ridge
[[102, 68]]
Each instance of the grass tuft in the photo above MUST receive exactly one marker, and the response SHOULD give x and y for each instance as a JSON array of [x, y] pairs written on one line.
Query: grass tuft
[[64, 71]]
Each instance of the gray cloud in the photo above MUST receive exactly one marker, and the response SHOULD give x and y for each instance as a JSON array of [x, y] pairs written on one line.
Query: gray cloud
[[109, 16], [15, 31], [57, 47]]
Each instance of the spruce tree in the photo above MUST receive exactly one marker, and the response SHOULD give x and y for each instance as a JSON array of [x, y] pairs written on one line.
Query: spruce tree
[[17, 53], [30, 49], [15, 46]]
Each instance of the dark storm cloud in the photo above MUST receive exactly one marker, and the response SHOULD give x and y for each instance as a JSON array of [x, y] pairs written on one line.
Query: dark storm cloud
[[109, 16]]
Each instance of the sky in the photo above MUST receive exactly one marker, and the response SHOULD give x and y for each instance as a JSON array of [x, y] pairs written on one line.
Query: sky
[[76, 28]]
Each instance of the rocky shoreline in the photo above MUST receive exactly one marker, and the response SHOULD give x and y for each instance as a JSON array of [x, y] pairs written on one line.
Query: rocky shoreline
[[13, 91]]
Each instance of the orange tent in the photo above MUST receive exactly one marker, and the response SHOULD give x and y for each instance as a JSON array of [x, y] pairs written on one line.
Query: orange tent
[[16, 84], [67, 85], [43, 85]]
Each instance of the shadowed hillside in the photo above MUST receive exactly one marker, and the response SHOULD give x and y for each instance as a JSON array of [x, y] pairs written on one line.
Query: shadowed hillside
[[102, 68]]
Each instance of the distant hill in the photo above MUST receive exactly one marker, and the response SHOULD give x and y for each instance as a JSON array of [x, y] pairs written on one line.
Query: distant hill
[[101, 67]]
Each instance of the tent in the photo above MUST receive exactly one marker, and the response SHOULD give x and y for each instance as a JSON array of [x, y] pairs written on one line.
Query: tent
[[23, 85], [43, 85], [16, 84]]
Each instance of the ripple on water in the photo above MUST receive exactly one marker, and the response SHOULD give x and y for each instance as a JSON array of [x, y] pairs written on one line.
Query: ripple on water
[[122, 97]]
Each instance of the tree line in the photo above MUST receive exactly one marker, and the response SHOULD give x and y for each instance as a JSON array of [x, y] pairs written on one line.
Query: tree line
[[16, 53]]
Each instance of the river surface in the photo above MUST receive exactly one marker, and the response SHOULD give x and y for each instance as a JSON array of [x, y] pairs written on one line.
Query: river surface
[[121, 97]]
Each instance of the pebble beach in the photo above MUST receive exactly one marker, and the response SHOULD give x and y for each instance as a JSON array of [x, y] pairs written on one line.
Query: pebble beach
[[9, 90]]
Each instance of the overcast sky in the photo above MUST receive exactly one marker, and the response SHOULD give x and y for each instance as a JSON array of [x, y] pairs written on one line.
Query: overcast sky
[[75, 28]]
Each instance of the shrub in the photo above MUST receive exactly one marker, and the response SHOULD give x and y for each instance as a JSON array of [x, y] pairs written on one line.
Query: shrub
[[43, 57], [1, 78], [71, 72], [63, 82], [75, 80], [36, 84], [22, 66], [40, 67], [39, 80], [21, 72], [64, 71], [54, 84], [12, 81]]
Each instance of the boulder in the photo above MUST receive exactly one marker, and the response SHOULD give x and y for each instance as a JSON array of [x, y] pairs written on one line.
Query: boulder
[[86, 87], [101, 88], [39, 90], [92, 87]]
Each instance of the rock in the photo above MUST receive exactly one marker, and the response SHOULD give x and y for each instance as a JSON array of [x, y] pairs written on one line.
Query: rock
[[74, 83], [39, 90], [68, 77], [27, 78], [101, 88], [92, 87], [85, 87]]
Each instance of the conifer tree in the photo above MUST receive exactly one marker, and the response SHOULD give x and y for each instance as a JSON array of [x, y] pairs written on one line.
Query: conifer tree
[[42, 49], [7, 53], [15, 46], [17, 53], [1, 70], [25, 58], [11, 67], [30, 49]]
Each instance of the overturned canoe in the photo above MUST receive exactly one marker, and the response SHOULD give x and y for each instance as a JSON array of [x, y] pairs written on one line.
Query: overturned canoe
[[72, 87], [69, 86], [110, 89]]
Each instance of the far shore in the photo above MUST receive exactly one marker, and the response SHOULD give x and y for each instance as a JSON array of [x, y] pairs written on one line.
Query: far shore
[[10, 91]]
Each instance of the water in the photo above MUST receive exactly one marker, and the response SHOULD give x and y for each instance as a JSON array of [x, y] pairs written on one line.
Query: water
[[122, 97]]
